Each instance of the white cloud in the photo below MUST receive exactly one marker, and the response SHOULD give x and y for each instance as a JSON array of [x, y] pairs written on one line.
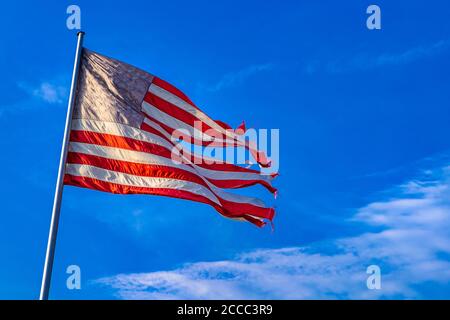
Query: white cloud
[[236, 78], [50, 93], [411, 245], [46, 91]]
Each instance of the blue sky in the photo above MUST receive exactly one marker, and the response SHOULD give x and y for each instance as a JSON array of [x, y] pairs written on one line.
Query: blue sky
[[364, 150]]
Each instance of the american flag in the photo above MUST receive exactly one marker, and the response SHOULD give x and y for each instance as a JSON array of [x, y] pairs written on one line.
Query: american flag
[[121, 141]]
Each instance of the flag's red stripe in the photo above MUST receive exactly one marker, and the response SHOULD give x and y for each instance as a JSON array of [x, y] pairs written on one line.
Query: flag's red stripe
[[137, 169], [173, 90], [189, 119], [178, 113], [96, 184], [177, 92], [159, 171], [191, 139], [255, 221], [235, 184], [213, 166], [150, 129], [110, 140], [162, 172], [100, 185]]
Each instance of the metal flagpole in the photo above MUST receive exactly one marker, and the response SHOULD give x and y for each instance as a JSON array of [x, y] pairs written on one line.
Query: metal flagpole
[[48, 266]]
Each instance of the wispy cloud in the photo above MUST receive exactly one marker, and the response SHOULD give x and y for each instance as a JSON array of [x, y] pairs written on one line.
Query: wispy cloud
[[412, 54], [50, 93], [367, 61], [411, 244], [46, 91], [236, 78]]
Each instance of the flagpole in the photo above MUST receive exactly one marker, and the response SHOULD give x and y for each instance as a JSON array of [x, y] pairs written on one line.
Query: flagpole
[[48, 266]]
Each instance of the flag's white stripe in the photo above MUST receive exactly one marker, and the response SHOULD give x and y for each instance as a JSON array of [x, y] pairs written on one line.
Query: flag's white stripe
[[153, 159], [118, 129], [152, 182], [230, 175], [180, 103], [133, 133], [137, 181], [237, 198], [186, 152], [173, 99], [139, 134], [147, 158], [126, 155], [174, 123]]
